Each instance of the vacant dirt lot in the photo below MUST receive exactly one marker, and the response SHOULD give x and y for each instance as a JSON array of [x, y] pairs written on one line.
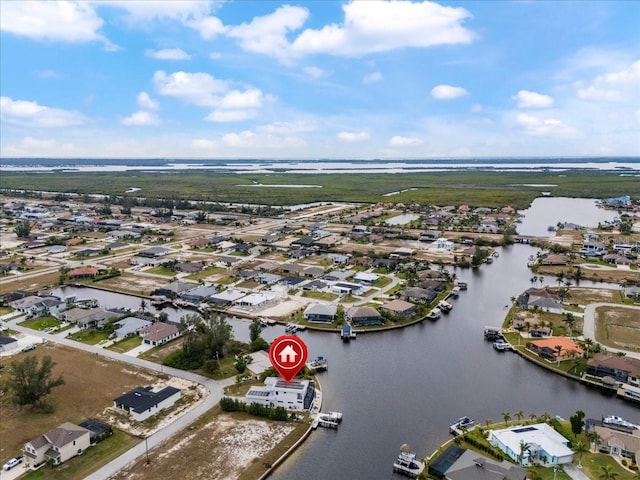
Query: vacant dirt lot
[[221, 449], [135, 284], [91, 384], [618, 327], [584, 296]]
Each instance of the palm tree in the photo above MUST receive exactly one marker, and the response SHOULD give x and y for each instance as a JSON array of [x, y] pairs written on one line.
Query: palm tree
[[588, 343], [608, 473], [143, 305], [546, 416], [579, 449], [533, 416], [506, 416], [594, 438], [524, 446], [520, 327], [487, 422], [559, 349], [519, 415]]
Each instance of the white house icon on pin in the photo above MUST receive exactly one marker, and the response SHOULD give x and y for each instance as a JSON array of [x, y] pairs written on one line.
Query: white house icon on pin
[[288, 354]]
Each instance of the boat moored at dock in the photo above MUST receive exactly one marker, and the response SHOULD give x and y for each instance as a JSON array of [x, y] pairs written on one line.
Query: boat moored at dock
[[445, 306], [462, 425], [347, 333], [407, 463], [434, 314], [319, 364], [502, 345]]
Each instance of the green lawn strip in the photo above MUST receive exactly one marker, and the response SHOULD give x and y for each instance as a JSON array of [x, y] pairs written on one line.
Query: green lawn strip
[[5, 310], [40, 323], [126, 344], [207, 272], [90, 336], [93, 458], [320, 295], [592, 464], [382, 282], [167, 272]]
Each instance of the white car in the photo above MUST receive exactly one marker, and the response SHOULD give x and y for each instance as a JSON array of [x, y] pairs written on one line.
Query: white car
[[12, 463]]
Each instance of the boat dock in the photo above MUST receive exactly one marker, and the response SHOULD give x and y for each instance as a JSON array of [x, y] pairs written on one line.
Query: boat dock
[[463, 425], [346, 333]]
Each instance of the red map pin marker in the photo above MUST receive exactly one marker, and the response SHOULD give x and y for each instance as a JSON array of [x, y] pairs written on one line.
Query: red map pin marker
[[288, 354]]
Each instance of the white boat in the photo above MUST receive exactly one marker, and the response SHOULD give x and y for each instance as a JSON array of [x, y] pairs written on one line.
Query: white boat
[[489, 260], [502, 346], [319, 364], [455, 291], [335, 417], [434, 314], [461, 425], [461, 284], [445, 306], [615, 420], [407, 463]]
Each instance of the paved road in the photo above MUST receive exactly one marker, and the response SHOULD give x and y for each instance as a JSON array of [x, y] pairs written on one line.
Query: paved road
[[589, 328], [214, 389]]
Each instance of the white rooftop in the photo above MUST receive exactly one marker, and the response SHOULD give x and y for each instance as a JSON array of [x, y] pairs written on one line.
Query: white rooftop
[[539, 434]]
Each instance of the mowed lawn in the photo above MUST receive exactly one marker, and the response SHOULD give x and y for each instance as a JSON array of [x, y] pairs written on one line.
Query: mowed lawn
[[91, 384]]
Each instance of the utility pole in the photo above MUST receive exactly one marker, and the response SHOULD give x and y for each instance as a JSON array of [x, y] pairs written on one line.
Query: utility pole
[[146, 444]]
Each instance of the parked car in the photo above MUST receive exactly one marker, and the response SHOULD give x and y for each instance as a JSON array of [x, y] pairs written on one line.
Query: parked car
[[12, 463], [28, 348]]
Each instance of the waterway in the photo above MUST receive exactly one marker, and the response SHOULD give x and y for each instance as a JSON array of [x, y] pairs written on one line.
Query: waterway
[[408, 385]]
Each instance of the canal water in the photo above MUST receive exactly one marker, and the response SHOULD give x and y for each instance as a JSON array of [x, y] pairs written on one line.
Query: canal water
[[409, 385]]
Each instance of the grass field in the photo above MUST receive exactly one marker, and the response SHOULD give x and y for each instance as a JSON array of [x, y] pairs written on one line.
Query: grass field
[[492, 189], [126, 344], [91, 384], [618, 327], [90, 336], [81, 466], [34, 283], [40, 323]]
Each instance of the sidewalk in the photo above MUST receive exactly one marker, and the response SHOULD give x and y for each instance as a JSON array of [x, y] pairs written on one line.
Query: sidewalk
[[574, 472]]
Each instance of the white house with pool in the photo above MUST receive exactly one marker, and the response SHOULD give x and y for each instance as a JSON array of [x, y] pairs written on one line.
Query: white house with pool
[[295, 395], [542, 444]]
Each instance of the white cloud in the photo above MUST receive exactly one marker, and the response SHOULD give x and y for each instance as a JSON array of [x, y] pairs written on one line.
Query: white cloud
[[399, 141], [146, 102], [289, 127], [141, 118], [31, 114], [252, 140], [370, 27], [528, 99], [447, 92], [35, 147], [223, 116], [315, 72], [50, 73], [476, 108], [142, 11], [195, 88], [350, 137], [168, 54], [620, 86], [268, 34], [251, 98], [60, 21], [203, 144], [533, 125], [209, 27], [372, 77]]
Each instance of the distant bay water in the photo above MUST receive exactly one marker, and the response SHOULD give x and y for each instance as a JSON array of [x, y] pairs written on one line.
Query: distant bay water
[[620, 165]]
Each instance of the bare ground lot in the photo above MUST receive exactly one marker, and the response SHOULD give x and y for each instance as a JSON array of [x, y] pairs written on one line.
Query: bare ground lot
[[585, 296], [91, 384], [133, 284], [618, 327], [241, 444]]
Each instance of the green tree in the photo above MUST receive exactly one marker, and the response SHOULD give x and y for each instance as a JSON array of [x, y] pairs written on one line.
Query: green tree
[[506, 416], [519, 415], [29, 380], [559, 349], [579, 448], [254, 330], [524, 446], [608, 473], [577, 422], [23, 229]]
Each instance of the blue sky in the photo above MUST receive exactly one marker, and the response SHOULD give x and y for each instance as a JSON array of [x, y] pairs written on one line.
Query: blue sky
[[305, 80]]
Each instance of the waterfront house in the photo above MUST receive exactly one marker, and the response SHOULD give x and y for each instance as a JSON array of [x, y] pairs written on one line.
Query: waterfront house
[[82, 273], [199, 294], [295, 395], [364, 316], [57, 445], [88, 318], [443, 244], [143, 402], [255, 300], [545, 446], [226, 297], [618, 443], [173, 289], [131, 326], [399, 308], [457, 463], [159, 333], [542, 298], [547, 348], [417, 294], [365, 278], [319, 312], [621, 368]]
